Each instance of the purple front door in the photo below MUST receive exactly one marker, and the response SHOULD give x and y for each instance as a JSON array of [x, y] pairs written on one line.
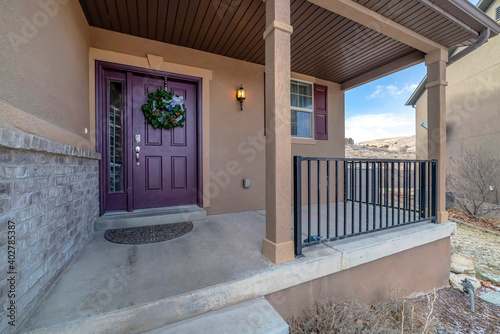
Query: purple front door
[[167, 169]]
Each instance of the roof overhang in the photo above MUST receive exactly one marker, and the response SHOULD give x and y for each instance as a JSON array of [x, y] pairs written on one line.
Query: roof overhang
[[350, 42], [469, 14], [463, 9]]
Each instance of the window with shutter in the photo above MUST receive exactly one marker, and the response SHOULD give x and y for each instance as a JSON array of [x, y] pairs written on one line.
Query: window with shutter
[[497, 13], [309, 110]]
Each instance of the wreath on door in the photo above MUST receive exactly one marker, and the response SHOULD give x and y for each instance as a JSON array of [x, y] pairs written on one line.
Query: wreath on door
[[164, 109]]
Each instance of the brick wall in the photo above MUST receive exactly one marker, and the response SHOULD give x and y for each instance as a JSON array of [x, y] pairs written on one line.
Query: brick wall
[[50, 191]]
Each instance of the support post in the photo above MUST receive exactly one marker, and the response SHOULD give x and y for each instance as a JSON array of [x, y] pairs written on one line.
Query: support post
[[436, 117], [278, 246]]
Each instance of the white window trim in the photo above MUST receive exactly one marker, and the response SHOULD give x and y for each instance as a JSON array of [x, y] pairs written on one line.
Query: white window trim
[[304, 109]]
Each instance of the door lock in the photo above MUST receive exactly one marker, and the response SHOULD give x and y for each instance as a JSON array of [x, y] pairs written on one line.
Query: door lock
[[137, 150]]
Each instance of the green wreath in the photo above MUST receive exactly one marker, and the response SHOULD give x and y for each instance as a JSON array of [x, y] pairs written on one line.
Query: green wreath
[[164, 109]]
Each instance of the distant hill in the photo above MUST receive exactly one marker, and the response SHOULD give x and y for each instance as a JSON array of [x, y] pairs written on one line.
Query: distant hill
[[390, 148]]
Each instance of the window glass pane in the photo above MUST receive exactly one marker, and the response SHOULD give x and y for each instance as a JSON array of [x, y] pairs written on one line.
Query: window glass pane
[[294, 100], [309, 103], [301, 123], [115, 137], [293, 122], [304, 89], [301, 94], [309, 90], [305, 102]]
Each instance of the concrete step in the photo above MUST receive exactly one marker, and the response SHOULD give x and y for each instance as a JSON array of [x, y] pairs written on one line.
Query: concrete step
[[254, 316], [145, 217], [196, 312]]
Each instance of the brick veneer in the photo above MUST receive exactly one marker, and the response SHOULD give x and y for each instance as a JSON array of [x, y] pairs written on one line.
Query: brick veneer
[[50, 190]]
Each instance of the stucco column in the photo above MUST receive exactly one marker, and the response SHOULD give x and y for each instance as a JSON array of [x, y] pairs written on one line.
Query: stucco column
[[436, 118], [278, 246]]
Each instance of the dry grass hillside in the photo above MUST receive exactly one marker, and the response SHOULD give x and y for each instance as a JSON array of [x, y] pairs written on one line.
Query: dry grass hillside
[[390, 148]]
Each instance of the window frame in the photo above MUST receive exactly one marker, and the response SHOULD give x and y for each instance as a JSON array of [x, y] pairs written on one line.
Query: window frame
[[311, 111]]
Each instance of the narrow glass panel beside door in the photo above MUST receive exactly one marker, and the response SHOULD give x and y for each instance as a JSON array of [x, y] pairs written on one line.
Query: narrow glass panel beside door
[[115, 137]]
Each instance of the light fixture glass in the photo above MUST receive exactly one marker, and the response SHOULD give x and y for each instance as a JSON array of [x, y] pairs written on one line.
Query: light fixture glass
[[241, 96]]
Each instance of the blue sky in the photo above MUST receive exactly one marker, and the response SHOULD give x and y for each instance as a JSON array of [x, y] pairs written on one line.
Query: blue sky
[[377, 109]]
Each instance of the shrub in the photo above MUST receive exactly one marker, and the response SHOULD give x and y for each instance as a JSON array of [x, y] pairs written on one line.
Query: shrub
[[352, 316], [472, 180]]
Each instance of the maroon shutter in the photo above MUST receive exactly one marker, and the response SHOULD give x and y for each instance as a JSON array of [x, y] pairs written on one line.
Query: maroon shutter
[[320, 112]]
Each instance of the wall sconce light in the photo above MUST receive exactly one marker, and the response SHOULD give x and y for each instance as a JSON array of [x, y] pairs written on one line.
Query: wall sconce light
[[240, 96]]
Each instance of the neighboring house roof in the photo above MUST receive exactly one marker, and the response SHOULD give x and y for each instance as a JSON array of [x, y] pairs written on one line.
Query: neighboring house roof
[[483, 5], [417, 93]]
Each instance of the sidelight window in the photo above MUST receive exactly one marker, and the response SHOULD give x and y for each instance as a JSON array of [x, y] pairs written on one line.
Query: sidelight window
[[115, 137]]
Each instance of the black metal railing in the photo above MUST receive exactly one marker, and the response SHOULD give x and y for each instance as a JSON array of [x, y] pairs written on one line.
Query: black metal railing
[[339, 198]]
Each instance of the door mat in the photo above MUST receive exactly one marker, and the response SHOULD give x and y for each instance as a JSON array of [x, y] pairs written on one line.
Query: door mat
[[147, 234]]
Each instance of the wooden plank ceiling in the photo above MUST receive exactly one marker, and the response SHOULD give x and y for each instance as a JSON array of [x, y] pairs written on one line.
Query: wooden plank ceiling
[[323, 44], [422, 19]]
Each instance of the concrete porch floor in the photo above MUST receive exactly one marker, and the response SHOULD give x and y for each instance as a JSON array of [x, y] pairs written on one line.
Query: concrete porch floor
[[135, 288]]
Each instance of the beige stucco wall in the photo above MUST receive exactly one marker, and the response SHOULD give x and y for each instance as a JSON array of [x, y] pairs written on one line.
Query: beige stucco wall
[[491, 10], [44, 69], [473, 96], [421, 133], [473, 102], [413, 271], [234, 145]]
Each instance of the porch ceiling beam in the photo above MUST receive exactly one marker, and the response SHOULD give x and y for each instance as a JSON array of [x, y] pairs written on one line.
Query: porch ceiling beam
[[397, 65], [368, 18]]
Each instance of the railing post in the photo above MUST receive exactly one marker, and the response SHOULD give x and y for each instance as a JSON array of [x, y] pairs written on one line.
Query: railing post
[[423, 190], [434, 189], [297, 204]]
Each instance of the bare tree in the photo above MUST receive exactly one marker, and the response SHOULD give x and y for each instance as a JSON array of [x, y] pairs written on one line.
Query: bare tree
[[472, 181]]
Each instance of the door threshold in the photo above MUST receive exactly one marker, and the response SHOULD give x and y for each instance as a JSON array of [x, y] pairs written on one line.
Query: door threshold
[[153, 216]]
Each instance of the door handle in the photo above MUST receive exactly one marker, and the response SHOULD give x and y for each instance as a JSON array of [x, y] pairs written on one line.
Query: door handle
[[137, 150]]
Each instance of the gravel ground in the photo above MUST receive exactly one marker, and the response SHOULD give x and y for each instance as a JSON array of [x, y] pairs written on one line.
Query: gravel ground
[[484, 246], [452, 312]]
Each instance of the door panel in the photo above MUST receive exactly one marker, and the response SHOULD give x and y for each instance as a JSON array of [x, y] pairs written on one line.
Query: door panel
[[154, 173], [153, 137], [179, 175], [167, 173], [179, 136]]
